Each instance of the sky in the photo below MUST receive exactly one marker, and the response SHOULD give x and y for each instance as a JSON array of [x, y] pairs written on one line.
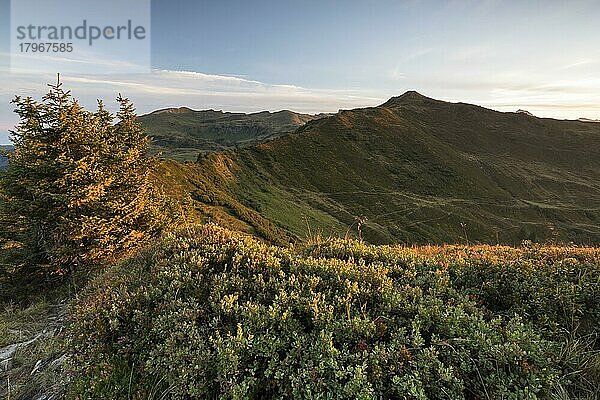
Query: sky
[[322, 56]]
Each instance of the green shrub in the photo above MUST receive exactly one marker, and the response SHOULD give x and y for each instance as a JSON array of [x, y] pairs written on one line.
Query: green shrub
[[208, 313], [555, 289]]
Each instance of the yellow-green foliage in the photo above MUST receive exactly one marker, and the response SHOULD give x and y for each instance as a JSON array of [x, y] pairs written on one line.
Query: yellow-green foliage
[[77, 188], [208, 313]]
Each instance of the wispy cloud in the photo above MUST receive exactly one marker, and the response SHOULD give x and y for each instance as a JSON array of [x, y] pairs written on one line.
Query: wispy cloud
[[166, 88], [229, 92]]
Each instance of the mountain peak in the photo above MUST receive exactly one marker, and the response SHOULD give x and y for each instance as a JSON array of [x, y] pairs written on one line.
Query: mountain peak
[[412, 94], [521, 111], [409, 97]]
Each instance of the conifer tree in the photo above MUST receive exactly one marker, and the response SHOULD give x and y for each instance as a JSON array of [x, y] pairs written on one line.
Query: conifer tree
[[77, 187]]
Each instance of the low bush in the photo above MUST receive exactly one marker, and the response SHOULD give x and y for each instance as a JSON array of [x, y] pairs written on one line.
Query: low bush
[[208, 313]]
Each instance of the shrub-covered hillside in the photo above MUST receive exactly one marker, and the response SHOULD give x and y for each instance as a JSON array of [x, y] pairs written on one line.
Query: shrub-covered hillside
[[209, 313]]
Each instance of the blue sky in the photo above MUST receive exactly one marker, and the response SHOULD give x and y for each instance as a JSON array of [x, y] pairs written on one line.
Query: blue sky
[[324, 55]]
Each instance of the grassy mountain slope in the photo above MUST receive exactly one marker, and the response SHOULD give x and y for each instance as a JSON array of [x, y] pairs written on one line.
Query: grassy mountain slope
[[203, 195], [181, 133], [422, 170]]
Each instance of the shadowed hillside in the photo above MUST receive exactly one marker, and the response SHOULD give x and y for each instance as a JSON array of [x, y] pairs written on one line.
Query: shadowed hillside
[[181, 133], [421, 170]]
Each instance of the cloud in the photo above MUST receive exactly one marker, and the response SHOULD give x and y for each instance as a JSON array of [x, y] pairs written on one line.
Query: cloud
[[397, 75], [166, 88], [195, 89]]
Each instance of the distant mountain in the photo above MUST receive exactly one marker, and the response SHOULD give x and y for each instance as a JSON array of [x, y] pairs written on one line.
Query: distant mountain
[[182, 133], [415, 169]]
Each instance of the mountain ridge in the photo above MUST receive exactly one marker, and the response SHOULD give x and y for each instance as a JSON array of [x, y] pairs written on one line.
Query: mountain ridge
[[182, 133], [424, 170]]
